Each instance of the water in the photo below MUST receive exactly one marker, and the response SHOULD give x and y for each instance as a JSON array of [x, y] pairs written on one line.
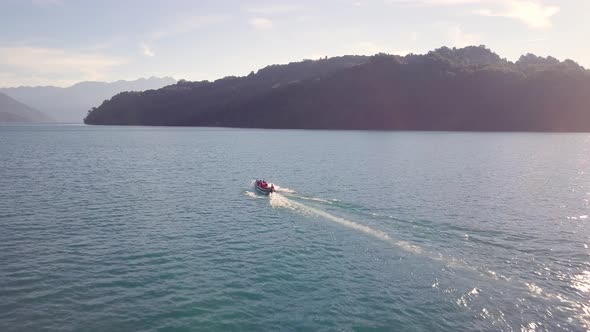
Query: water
[[130, 228]]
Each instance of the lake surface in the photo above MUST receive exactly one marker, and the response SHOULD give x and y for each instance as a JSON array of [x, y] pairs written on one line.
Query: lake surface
[[134, 228]]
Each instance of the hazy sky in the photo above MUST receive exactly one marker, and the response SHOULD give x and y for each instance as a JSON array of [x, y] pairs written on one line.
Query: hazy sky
[[61, 42]]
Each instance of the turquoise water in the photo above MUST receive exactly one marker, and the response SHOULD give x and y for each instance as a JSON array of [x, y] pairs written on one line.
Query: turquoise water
[[130, 228]]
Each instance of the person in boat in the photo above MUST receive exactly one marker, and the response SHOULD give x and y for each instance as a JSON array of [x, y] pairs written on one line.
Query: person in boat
[[272, 187]]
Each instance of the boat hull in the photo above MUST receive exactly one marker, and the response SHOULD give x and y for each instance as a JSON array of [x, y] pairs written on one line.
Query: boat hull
[[263, 191]]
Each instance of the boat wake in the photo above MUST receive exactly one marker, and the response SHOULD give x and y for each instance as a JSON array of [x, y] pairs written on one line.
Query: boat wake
[[284, 190], [286, 198], [290, 202], [289, 199], [315, 199], [253, 195], [280, 201]]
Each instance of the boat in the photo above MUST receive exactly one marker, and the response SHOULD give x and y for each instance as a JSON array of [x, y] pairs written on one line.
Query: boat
[[264, 187]]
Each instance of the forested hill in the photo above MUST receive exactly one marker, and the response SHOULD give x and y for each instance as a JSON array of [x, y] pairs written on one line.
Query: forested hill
[[183, 103], [447, 89]]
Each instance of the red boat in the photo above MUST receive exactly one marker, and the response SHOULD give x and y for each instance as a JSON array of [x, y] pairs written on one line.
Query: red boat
[[264, 187]]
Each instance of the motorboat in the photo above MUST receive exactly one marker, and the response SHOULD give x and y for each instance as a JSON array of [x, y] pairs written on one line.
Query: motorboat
[[264, 187]]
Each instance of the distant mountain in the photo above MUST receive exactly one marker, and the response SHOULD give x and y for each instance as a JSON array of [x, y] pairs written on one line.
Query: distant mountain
[[12, 111], [72, 104], [470, 88]]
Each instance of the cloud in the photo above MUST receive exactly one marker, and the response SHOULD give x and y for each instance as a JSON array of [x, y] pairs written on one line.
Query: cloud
[[45, 3], [459, 38], [146, 50], [435, 2], [536, 40], [187, 24], [274, 9], [9, 80], [261, 23], [366, 48], [102, 45], [402, 52], [370, 48], [53, 64], [178, 26], [533, 13]]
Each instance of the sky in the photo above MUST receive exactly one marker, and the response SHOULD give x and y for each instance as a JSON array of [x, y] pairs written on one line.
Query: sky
[[62, 42]]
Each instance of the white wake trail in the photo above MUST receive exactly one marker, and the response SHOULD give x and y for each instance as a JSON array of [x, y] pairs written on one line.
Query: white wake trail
[[279, 201], [252, 194], [315, 199], [580, 311], [283, 189]]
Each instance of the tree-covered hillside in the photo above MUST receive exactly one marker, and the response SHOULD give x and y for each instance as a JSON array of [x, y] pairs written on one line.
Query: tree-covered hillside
[[447, 89]]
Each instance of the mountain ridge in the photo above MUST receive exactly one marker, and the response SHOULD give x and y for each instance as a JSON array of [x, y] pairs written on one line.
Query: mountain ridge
[[13, 111], [83, 82], [70, 104]]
